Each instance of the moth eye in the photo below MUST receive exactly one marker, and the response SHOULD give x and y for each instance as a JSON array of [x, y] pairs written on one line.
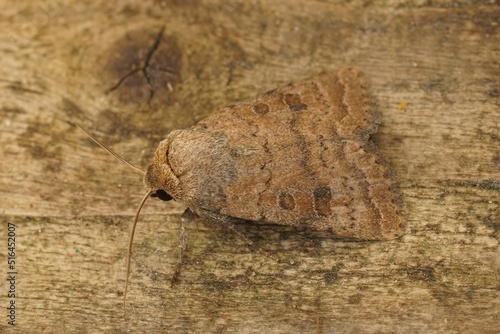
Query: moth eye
[[162, 195]]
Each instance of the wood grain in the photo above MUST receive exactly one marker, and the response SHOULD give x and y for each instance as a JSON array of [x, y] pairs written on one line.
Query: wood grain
[[73, 204]]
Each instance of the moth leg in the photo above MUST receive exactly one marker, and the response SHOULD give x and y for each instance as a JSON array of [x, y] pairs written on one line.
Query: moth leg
[[186, 217], [231, 223], [250, 243]]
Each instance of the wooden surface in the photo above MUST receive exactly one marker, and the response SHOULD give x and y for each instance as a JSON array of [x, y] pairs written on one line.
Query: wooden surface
[[72, 204]]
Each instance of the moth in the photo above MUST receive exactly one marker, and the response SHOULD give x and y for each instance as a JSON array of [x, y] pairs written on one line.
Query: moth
[[299, 155]]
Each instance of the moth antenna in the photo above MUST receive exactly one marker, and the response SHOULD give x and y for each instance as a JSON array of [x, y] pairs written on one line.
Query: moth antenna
[[107, 149], [129, 255]]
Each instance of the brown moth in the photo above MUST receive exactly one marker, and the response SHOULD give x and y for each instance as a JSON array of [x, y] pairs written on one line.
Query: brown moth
[[296, 156]]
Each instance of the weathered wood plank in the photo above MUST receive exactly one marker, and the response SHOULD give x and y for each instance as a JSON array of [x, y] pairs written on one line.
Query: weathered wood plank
[[72, 203]]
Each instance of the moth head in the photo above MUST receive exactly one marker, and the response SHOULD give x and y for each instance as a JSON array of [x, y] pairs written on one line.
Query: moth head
[[159, 177]]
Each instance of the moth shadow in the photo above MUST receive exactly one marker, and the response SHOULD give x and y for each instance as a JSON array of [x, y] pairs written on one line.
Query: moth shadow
[[282, 240]]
